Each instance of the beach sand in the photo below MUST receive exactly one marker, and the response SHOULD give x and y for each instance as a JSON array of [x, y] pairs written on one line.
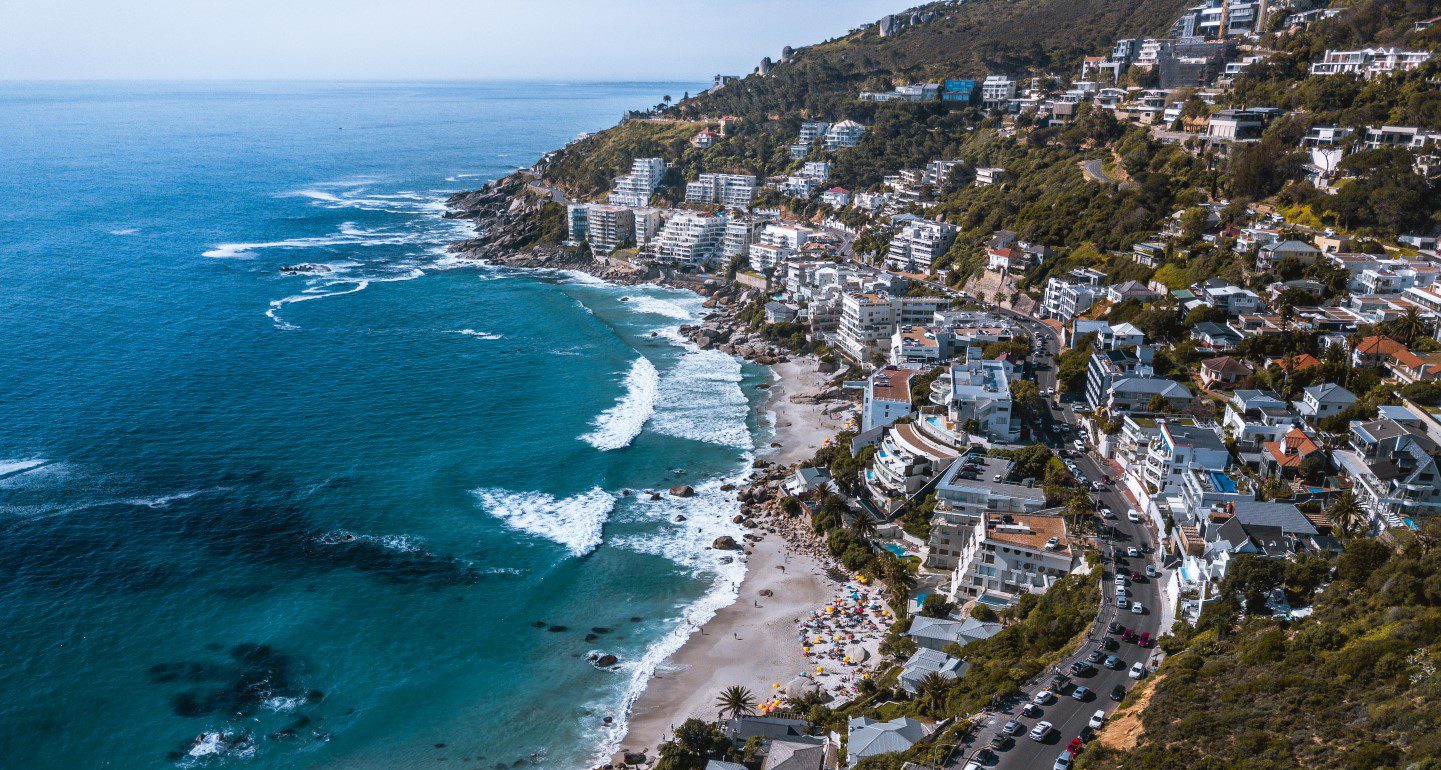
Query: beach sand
[[800, 429], [751, 643], [754, 647]]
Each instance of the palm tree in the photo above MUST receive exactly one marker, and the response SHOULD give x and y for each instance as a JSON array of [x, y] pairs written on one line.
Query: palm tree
[[1346, 513], [932, 690], [863, 525], [736, 700], [1410, 326]]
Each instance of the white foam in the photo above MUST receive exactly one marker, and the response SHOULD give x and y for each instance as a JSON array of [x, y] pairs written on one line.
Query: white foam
[[657, 306], [126, 231], [575, 522], [701, 398], [617, 426], [476, 334], [17, 467], [164, 501], [708, 515], [397, 543]]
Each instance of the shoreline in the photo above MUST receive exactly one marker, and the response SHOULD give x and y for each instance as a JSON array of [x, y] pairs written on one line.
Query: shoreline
[[751, 642]]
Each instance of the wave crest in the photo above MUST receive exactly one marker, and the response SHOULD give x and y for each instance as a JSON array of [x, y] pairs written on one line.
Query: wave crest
[[617, 426], [575, 522]]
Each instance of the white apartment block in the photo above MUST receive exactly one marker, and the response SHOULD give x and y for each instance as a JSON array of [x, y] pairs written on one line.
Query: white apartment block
[[844, 135], [918, 245], [978, 391], [689, 240], [887, 397], [974, 486], [609, 228], [634, 189], [996, 90], [1369, 62], [647, 225], [811, 131], [869, 319], [729, 190], [1010, 555], [1410, 137], [738, 237], [1064, 300]]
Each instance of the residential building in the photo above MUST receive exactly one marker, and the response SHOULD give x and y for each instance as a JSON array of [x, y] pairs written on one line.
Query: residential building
[[988, 176], [918, 245], [1065, 298], [996, 91], [1325, 400], [1223, 371], [844, 135], [1136, 394], [868, 319], [737, 239], [577, 219], [906, 461], [887, 397], [729, 190], [924, 662], [974, 485], [1107, 367], [1254, 417], [609, 228], [689, 240], [867, 737], [1010, 555], [1236, 126], [1409, 137], [1271, 254], [836, 197], [1369, 62], [977, 396], [1213, 336], [1176, 449], [634, 189], [1286, 456], [939, 633], [959, 91], [811, 131], [1393, 466]]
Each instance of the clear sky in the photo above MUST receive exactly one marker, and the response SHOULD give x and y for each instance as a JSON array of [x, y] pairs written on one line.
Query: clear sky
[[396, 39]]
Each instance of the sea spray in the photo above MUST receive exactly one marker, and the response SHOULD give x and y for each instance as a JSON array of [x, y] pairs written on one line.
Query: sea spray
[[617, 426]]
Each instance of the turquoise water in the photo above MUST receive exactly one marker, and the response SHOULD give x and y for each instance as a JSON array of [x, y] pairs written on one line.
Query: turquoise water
[[261, 520]]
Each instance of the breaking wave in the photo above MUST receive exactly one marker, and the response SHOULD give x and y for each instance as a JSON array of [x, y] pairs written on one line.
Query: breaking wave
[[617, 426], [575, 522]]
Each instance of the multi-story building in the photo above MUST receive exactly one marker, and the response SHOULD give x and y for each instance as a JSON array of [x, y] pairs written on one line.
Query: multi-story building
[[887, 397], [1107, 367], [1393, 465], [977, 396], [1176, 449], [868, 319], [810, 132], [918, 245], [1369, 62], [906, 460], [609, 228], [1010, 555], [577, 219], [1068, 297], [730, 190], [689, 240], [647, 225], [973, 486], [634, 189], [1409, 137], [996, 91], [844, 135], [738, 236]]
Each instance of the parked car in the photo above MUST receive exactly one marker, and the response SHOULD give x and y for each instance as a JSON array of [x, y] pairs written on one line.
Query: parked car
[[1097, 719], [1045, 697], [1040, 731], [1114, 663], [1082, 668], [1012, 727], [1122, 602], [1151, 571], [1133, 515], [1121, 592], [1133, 553], [1138, 609], [1063, 762], [1127, 635], [999, 741], [1144, 641], [1082, 694], [1030, 710], [1114, 627], [1095, 656], [1107, 513], [1138, 670], [1118, 692], [1108, 643], [1075, 746]]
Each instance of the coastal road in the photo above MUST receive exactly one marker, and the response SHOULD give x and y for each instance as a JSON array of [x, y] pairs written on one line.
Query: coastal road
[[1068, 715]]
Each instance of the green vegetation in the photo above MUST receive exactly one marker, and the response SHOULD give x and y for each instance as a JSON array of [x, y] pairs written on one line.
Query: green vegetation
[[1353, 686]]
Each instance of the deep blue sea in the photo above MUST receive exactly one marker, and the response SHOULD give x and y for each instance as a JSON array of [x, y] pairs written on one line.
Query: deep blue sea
[[250, 519]]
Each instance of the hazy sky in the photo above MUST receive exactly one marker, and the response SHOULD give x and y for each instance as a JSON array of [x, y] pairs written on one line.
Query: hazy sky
[[395, 39]]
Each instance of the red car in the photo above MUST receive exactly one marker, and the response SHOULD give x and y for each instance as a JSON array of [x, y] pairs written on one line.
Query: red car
[[1105, 479], [1145, 640], [1127, 635], [1075, 746]]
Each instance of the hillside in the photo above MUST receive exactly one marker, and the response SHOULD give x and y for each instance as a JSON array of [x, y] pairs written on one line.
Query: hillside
[[1353, 686]]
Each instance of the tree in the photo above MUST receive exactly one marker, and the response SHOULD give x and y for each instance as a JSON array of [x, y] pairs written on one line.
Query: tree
[[932, 690], [863, 525], [1347, 514], [736, 701], [1158, 403], [695, 741], [1361, 559], [936, 606]]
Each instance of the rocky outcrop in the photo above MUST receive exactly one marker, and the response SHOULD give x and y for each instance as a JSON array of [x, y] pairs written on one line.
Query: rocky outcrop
[[681, 490]]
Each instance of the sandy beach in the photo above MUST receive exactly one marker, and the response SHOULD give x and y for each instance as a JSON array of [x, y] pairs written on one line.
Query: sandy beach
[[800, 428], [753, 642]]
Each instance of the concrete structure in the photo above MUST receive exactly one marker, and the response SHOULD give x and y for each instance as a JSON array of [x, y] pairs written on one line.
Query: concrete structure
[[918, 245], [689, 240], [730, 190], [977, 396], [1013, 554], [634, 189], [887, 397]]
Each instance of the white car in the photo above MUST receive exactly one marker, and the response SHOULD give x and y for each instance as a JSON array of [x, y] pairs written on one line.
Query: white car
[[1122, 602], [1133, 515], [1137, 609], [1122, 593], [1080, 446], [1040, 731], [1106, 512], [1137, 670], [1097, 719], [1043, 698], [1133, 552], [1063, 762]]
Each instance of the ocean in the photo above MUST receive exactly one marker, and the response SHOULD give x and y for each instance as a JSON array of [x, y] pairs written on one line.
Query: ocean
[[375, 515]]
